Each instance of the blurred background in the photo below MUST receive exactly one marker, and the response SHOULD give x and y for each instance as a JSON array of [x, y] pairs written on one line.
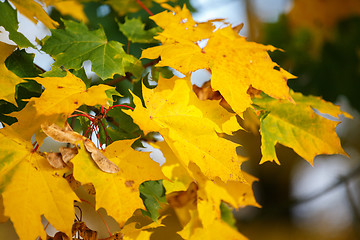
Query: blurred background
[[321, 46]]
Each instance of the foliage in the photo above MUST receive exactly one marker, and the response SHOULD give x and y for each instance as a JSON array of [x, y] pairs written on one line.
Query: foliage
[[189, 196]]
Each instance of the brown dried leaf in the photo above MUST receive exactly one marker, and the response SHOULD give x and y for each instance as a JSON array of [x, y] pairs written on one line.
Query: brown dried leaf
[[103, 163], [68, 153], [58, 236], [84, 232], [55, 160], [61, 134]]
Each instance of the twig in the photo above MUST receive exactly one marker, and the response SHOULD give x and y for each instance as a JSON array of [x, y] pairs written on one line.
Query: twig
[[144, 7], [336, 184]]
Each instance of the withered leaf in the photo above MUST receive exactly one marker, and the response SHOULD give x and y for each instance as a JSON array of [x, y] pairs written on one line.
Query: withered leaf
[[84, 232], [55, 160], [68, 153], [60, 134], [103, 163], [67, 135], [58, 236]]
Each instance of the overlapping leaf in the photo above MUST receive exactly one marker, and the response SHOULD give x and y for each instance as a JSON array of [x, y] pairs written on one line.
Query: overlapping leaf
[[73, 8], [9, 21], [34, 11], [118, 193], [27, 184], [297, 126], [60, 98], [8, 79], [135, 31], [235, 64], [75, 44], [191, 136]]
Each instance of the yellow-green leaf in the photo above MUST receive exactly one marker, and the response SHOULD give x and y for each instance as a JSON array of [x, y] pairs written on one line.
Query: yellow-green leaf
[[297, 126]]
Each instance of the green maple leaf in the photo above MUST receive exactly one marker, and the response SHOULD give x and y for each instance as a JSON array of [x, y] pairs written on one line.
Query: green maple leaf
[[153, 194], [135, 31], [297, 126], [75, 44], [9, 21]]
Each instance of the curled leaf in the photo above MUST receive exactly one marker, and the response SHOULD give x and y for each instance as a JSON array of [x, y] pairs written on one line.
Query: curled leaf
[[59, 134], [60, 159], [103, 163], [68, 153], [67, 135], [55, 160]]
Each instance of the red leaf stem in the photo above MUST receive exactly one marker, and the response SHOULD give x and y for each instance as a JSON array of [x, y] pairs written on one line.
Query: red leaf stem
[[120, 105], [144, 7]]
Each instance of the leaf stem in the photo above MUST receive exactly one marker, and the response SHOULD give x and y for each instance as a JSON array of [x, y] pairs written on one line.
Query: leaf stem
[[106, 134], [119, 105], [144, 7]]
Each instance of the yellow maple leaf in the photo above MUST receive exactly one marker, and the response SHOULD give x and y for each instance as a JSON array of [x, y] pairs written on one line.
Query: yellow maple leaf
[[34, 11], [118, 193], [226, 121], [8, 79], [236, 64], [216, 230], [62, 95], [28, 183], [72, 8], [179, 26], [236, 193], [190, 135]]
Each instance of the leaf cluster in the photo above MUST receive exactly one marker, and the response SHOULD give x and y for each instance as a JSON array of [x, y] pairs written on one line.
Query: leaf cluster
[[132, 100]]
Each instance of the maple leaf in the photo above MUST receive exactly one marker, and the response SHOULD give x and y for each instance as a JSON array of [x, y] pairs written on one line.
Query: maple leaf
[[118, 193], [27, 185], [75, 44], [235, 193], [216, 230], [34, 11], [8, 79], [191, 135], [72, 8], [235, 64], [153, 195], [62, 95], [9, 21], [134, 30], [179, 26], [297, 126]]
